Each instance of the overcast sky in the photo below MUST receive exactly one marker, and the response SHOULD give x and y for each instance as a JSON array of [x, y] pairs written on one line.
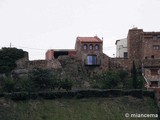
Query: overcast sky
[[39, 25]]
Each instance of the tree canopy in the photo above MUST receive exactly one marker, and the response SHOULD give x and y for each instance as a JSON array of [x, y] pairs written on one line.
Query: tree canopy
[[8, 58]]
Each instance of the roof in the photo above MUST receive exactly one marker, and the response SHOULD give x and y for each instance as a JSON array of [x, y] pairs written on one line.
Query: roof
[[89, 39], [58, 50], [124, 39]]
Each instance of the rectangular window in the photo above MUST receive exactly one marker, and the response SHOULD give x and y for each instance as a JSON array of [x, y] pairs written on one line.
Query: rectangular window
[[154, 71], [91, 60], [155, 37], [125, 54], [156, 47]]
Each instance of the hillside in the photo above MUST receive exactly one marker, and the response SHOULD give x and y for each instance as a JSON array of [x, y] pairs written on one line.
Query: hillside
[[76, 109]]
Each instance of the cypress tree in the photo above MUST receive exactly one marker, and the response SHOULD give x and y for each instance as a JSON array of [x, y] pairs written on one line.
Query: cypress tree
[[134, 76]]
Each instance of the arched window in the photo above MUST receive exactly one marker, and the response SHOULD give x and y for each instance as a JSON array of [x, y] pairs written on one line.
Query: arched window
[[97, 47], [90, 46], [85, 47]]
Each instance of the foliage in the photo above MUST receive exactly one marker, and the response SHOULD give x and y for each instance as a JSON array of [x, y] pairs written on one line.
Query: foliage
[[65, 84], [123, 75], [134, 76], [8, 84], [139, 93], [8, 57], [22, 85], [41, 79], [110, 80], [140, 82]]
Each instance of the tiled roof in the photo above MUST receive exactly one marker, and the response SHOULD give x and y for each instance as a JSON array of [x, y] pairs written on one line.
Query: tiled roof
[[89, 39]]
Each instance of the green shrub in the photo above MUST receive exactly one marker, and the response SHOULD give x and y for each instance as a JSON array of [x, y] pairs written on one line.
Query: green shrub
[[8, 85], [8, 57], [110, 80], [150, 94], [19, 96], [136, 93], [65, 84], [41, 79]]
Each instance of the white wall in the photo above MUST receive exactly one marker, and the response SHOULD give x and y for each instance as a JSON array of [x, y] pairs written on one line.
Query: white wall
[[121, 47]]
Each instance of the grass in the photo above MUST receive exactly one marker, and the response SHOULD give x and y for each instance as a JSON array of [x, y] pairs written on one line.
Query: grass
[[76, 109]]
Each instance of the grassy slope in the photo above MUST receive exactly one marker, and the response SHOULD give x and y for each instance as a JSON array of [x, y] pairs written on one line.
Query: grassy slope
[[75, 109]]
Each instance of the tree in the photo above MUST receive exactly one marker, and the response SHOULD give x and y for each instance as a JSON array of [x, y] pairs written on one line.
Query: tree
[[134, 76], [8, 58]]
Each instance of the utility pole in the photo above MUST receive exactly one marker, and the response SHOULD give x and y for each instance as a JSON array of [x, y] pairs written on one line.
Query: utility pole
[[10, 45]]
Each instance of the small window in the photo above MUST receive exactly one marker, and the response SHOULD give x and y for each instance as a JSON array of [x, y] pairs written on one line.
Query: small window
[[97, 47], [155, 37], [154, 71], [156, 47], [90, 46], [152, 56], [125, 55], [85, 47]]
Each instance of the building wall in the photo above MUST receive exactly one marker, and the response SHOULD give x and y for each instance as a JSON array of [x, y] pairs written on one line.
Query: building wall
[[121, 48], [134, 43], [49, 55], [151, 45]]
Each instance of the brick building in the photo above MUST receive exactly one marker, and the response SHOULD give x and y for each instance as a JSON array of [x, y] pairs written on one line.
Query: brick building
[[141, 47], [144, 49], [88, 50], [55, 53]]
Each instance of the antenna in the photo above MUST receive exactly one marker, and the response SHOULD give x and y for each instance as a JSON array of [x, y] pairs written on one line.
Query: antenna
[[10, 45]]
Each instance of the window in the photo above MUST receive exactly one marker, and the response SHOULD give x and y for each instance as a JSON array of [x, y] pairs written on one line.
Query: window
[[155, 37], [125, 55], [152, 56], [90, 46], [154, 71], [85, 47], [91, 59], [156, 47], [97, 47]]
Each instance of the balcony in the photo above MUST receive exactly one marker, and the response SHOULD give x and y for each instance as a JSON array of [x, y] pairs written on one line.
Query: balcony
[[92, 61]]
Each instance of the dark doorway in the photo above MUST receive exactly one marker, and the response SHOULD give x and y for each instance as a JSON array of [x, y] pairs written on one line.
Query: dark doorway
[[59, 53]]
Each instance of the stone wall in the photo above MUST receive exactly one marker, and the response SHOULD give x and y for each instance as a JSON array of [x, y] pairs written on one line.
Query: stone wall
[[120, 63], [134, 43], [151, 45]]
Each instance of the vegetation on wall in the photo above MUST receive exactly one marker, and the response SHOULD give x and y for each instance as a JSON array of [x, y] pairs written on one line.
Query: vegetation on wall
[[37, 80], [8, 57], [41, 79]]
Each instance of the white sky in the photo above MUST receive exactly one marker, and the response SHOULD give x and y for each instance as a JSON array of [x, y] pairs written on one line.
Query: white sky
[[38, 25]]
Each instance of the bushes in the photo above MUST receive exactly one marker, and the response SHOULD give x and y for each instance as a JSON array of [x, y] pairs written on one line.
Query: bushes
[[8, 84], [8, 57], [78, 94], [110, 80], [41, 79], [65, 84]]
